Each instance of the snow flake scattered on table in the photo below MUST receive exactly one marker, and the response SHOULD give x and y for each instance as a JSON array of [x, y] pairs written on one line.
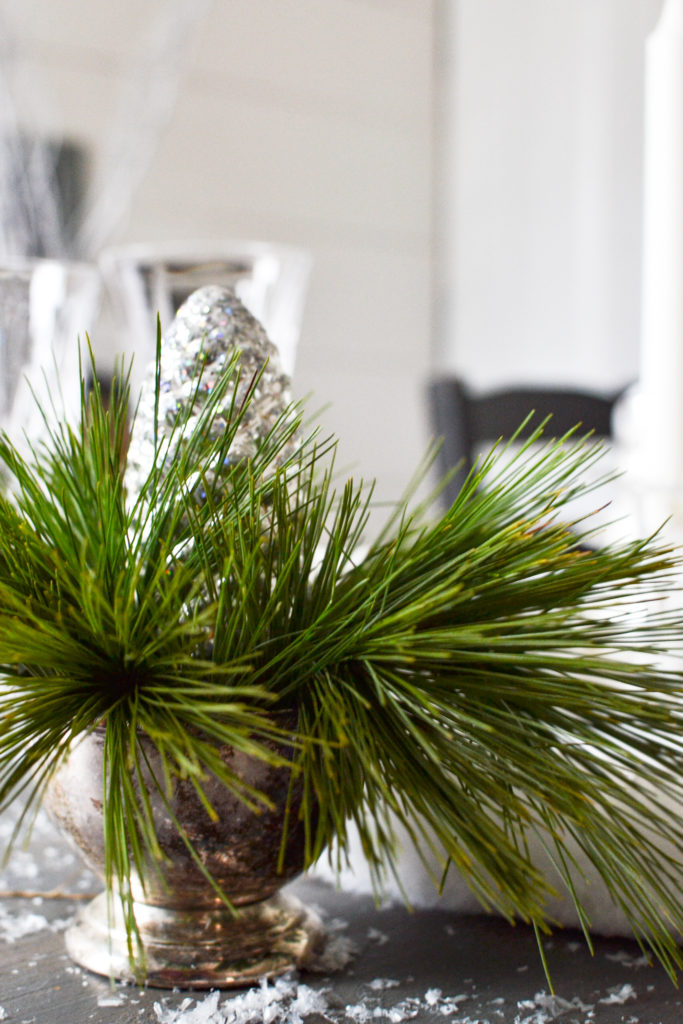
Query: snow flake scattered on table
[[619, 994], [332, 924], [337, 953], [545, 1008], [15, 926], [3, 1013], [628, 959], [43, 863], [112, 999], [289, 1001], [28, 863], [371, 1010], [285, 1001], [338, 950]]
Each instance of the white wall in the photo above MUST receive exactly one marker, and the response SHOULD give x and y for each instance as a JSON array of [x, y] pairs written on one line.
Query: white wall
[[540, 238], [298, 121], [310, 122]]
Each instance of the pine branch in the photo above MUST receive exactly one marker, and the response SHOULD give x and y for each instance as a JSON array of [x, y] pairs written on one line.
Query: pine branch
[[476, 677]]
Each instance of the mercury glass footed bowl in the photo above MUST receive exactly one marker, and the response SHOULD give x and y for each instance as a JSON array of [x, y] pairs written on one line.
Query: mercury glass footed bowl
[[189, 937]]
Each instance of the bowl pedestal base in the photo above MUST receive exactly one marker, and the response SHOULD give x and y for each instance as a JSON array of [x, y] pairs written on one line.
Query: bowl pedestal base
[[207, 947]]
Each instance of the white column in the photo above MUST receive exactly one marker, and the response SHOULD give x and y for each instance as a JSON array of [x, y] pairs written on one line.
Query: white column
[[662, 336], [445, 182]]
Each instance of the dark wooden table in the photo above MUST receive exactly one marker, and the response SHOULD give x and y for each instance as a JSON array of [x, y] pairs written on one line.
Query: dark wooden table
[[427, 965]]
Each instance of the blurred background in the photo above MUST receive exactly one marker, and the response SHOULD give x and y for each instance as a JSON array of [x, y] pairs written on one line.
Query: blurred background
[[467, 176]]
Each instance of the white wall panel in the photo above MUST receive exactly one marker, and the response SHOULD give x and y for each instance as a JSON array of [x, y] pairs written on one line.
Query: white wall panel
[[544, 202], [298, 121]]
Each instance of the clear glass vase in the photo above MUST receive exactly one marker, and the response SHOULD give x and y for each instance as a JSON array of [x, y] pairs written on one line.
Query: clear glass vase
[[46, 307]]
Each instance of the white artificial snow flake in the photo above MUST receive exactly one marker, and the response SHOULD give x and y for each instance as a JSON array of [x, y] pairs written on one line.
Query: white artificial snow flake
[[289, 1001], [60, 923], [448, 1005], [113, 999], [336, 924], [619, 994], [284, 1002], [432, 996], [378, 937], [307, 1001], [359, 1012], [396, 1015], [337, 952], [16, 926], [204, 1012], [546, 1008], [30, 869], [628, 959]]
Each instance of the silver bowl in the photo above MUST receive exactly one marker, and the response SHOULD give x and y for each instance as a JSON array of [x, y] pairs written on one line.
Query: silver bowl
[[189, 937]]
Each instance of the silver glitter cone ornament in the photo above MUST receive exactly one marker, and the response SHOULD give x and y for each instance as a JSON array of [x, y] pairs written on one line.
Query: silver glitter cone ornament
[[207, 331]]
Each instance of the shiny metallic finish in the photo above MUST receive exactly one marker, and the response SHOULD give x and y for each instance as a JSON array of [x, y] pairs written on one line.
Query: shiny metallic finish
[[210, 328], [203, 948], [190, 938]]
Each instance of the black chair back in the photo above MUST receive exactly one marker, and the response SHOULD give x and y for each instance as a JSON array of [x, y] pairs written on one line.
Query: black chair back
[[466, 420]]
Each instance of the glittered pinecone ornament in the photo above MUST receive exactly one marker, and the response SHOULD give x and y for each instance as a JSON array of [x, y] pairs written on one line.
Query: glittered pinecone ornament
[[210, 328]]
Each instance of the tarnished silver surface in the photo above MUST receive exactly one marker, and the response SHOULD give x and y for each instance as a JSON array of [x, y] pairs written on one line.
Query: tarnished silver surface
[[203, 948], [189, 936]]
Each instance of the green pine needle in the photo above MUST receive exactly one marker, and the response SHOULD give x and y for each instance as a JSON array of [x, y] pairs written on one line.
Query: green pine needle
[[476, 677]]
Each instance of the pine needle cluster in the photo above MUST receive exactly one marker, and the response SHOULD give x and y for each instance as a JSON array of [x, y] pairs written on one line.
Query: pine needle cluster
[[477, 676]]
